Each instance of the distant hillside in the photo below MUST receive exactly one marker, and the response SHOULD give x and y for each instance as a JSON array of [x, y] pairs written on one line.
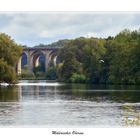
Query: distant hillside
[[60, 43]]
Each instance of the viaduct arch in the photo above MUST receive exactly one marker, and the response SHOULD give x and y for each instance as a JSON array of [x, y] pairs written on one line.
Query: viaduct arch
[[32, 57]]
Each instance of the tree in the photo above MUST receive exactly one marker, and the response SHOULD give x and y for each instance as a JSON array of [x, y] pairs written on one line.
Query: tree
[[51, 73], [93, 54], [9, 55], [7, 73], [124, 58], [70, 64], [26, 74], [82, 57]]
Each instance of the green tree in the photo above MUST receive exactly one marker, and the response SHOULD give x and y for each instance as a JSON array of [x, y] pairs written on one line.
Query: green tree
[[124, 58], [51, 73], [9, 55], [82, 56], [26, 74], [7, 73], [70, 64], [93, 57]]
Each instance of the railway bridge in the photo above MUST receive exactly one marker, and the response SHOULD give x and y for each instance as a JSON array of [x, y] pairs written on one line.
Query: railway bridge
[[33, 57]]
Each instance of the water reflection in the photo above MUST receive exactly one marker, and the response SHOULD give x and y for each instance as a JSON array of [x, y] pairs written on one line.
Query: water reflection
[[10, 94], [52, 104], [82, 92], [101, 93]]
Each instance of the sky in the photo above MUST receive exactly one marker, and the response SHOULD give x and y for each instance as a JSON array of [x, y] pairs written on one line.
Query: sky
[[33, 28]]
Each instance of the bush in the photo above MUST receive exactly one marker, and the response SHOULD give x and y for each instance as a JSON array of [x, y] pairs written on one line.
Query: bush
[[28, 75], [40, 75], [78, 78], [51, 73], [7, 73]]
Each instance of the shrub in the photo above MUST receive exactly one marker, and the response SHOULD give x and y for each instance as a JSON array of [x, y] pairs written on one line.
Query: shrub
[[7, 73], [78, 78], [27, 75], [51, 73], [40, 75]]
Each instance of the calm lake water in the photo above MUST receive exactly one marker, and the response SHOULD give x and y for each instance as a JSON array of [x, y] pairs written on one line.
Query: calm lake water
[[39, 103]]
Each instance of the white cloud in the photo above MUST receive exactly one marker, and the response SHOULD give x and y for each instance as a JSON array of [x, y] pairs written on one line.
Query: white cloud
[[34, 28], [44, 34]]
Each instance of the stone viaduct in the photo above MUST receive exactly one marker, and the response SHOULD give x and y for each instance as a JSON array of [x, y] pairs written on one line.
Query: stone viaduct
[[32, 56]]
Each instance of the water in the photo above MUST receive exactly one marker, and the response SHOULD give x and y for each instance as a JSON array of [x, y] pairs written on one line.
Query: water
[[39, 103]]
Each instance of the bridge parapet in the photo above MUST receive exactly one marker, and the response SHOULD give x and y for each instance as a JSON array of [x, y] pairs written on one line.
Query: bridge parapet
[[43, 49]]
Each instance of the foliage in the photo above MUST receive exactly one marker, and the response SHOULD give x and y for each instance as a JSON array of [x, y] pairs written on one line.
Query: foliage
[[37, 69], [78, 78], [9, 50], [27, 75], [7, 73], [9, 55], [70, 64], [51, 73], [114, 60], [93, 54], [82, 56], [60, 43], [124, 59]]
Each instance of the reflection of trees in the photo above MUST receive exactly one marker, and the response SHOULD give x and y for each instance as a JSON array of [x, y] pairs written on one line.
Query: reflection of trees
[[8, 94], [125, 96], [131, 116], [124, 93], [73, 91], [100, 93], [80, 92]]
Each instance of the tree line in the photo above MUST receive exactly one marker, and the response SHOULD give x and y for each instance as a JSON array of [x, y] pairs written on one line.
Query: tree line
[[112, 60]]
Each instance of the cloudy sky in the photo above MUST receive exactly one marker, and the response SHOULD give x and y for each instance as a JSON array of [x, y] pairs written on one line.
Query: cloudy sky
[[36, 28]]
